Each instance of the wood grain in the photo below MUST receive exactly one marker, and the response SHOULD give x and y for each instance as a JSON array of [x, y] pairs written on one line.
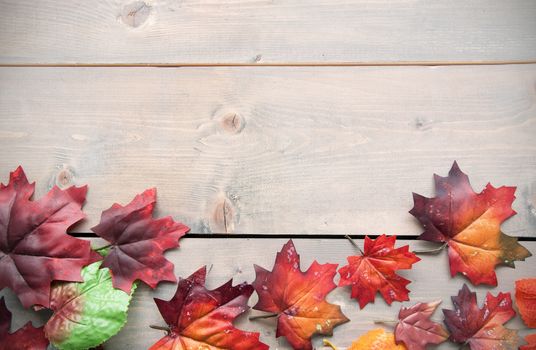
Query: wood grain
[[265, 31], [264, 150], [234, 258]]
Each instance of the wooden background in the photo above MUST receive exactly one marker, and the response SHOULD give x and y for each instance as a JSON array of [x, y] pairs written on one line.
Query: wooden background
[[264, 119]]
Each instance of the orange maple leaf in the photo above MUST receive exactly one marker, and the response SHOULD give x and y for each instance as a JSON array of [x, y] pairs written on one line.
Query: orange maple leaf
[[298, 298]]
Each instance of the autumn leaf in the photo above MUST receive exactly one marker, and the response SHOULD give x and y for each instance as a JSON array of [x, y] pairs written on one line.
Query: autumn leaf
[[531, 342], [376, 339], [137, 242], [203, 319], [416, 330], [469, 223], [375, 271], [481, 328], [298, 298], [526, 300], [86, 314], [25, 338], [34, 246]]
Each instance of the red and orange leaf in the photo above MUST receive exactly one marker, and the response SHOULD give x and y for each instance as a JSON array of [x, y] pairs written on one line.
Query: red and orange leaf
[[526, 300], [531, 342], [376, 339], [375, 271], [298, 298], [203, 319], [138, 242], [470, 223], [481, 328], [26, 338], [416, 330], [35, 248]]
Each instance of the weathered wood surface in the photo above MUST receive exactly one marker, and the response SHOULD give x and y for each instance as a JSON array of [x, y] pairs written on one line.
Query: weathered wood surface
[[265, 31], [234, 258], [273, 150]]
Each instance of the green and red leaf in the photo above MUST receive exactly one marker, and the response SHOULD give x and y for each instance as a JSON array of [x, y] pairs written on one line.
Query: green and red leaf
[[86, 314]]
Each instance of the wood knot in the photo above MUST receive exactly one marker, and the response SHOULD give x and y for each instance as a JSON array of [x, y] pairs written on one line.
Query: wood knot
[[135, 13], [223, 216], [63, 177], [233, 123]]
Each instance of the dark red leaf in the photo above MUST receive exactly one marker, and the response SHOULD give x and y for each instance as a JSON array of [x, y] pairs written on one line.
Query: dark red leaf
[[481, 328], [34, 246], [26, 338], [375, 271], [138, 242], [203, 319]]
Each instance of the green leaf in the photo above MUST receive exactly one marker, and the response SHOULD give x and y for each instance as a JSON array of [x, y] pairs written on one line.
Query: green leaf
[[86, 314]]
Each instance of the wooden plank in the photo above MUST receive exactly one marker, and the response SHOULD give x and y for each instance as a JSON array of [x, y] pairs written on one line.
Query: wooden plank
[[234, 258], [260, 32], [261, 150]]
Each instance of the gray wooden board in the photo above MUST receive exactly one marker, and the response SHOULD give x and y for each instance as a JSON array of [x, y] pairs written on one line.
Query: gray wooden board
[[264, 149], [234, 258], [265, 31]]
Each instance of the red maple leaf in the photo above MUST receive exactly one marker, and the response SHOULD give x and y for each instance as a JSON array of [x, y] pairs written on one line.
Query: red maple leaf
[[34, 246], [526, 300], [298, 298], [26, 338], [416, 330], [531, 342], [138, 242], [375, 269], [481, 328], [203, 319], [470, 223]]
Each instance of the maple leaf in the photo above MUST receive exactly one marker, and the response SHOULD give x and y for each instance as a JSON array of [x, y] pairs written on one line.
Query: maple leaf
[[138, 242], [203, 319], [298, 298], [481, 328], [376, 339], [34, 246], [416, 330], [526, 300], [374, 271], [531, 342], [469, 223], [88, 313], [26, 338]]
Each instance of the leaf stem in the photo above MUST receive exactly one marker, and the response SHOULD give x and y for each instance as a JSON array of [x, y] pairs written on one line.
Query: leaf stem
[[354, 243], [431, 251], [330, 344], [102, 248], [386, 322], [161, 328], [251, 318]]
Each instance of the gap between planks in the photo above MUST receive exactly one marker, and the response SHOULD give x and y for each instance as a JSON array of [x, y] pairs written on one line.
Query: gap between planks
[[289, 64]]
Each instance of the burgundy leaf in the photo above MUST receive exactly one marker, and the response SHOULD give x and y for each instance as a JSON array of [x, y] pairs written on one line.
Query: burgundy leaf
[[34, 246], [138, 242]]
